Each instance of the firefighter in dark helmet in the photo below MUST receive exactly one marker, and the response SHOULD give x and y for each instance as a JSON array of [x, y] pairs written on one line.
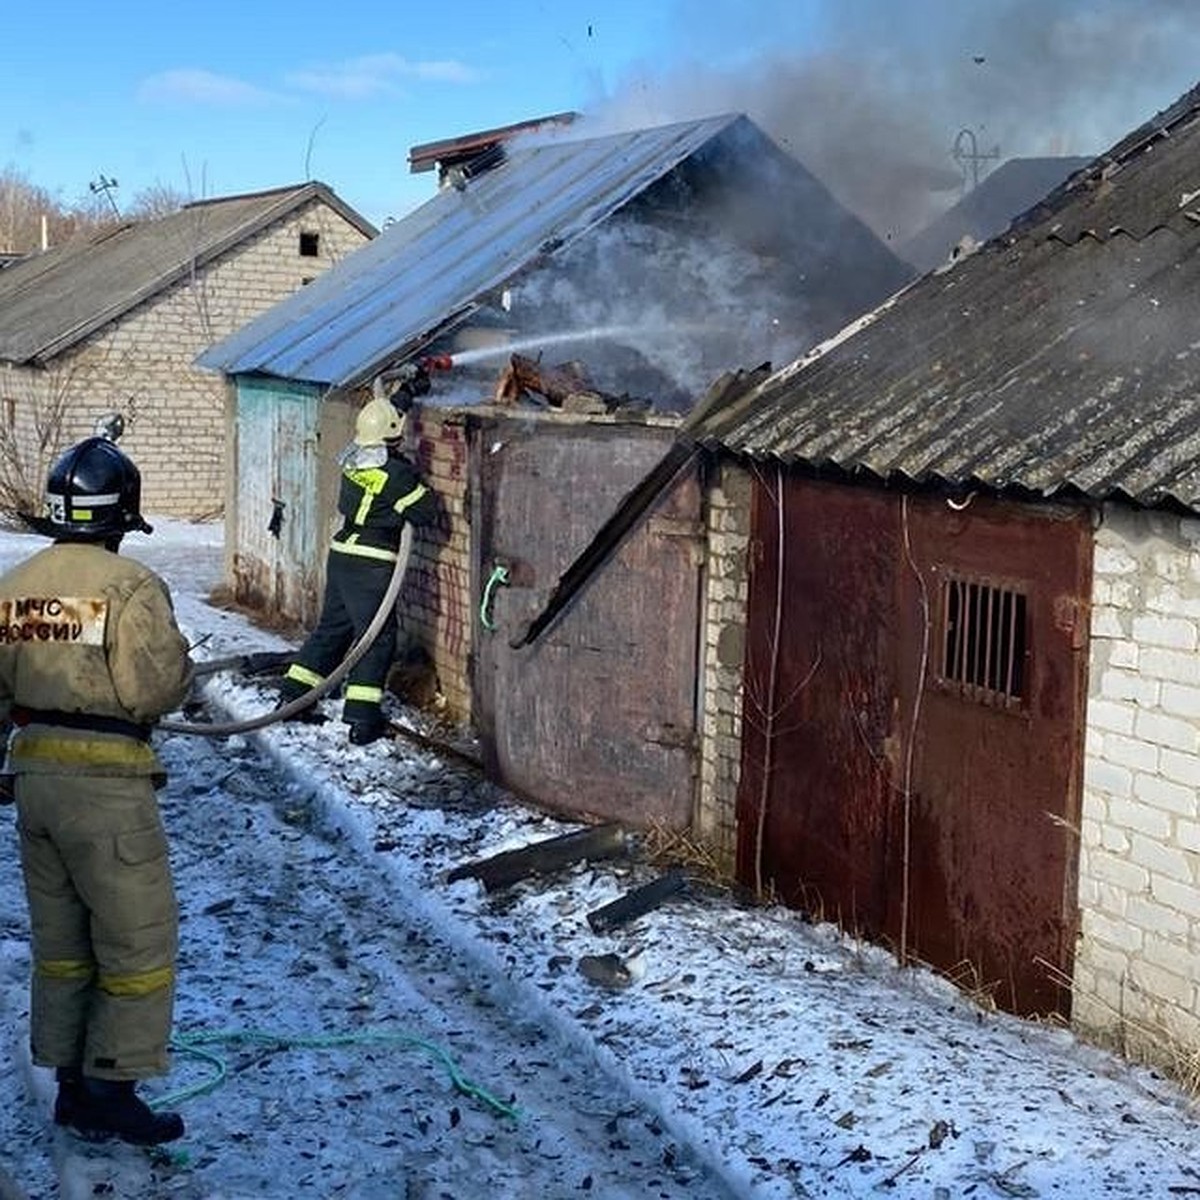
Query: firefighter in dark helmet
[[380, 490], [90, 658]]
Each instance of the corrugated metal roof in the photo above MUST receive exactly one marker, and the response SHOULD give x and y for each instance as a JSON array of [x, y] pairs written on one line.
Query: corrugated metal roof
[[1063, 356], [432, 268], [51, 301]]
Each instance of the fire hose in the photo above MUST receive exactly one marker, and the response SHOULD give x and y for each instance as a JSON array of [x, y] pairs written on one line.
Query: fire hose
[[292, 707]]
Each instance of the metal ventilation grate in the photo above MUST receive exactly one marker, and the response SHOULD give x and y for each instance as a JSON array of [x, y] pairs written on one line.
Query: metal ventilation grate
[[984, 641]]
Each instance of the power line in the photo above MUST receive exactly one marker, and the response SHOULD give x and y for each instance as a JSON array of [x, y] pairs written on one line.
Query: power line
[[107, 186]]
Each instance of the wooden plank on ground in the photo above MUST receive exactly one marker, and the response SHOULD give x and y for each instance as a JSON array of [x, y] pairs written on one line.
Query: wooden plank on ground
[[637, 902], [543, 858]]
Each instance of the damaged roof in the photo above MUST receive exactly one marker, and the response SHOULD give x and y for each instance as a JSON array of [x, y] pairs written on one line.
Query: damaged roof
[[428, 272], [461, 149], [1063, 357], [53, 300]]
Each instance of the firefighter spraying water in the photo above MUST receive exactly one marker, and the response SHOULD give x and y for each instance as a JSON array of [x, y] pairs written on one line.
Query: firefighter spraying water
[[380, 494]]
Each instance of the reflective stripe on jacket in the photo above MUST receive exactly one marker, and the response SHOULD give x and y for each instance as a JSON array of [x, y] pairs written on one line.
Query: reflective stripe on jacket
[[48, 750], [376, 501]]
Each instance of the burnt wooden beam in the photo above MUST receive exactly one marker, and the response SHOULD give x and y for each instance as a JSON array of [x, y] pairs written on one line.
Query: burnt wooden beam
[[637, 903], [256, 662], [435, 745], [557, 384], [544, 858]]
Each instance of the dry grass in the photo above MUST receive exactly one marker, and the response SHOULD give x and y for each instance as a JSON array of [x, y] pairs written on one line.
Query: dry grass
[[681, 849], [1142, 1040], [1150, 1044]]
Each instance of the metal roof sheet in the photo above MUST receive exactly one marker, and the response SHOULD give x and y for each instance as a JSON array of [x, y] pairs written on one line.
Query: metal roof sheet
[[433, 267], [51, 301], [1063, 356]]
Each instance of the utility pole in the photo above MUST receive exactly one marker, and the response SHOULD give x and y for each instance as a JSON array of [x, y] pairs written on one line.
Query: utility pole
[[107, 186]]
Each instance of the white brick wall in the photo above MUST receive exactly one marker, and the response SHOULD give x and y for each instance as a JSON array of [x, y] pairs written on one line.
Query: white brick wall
[[724, 622], [1137, 967], [141, 366]]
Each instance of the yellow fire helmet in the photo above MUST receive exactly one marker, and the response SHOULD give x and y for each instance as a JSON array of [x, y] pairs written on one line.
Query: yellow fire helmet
[[378, 421]]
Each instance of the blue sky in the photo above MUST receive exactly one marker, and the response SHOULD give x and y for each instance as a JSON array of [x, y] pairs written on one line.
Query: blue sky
[[229, 96]]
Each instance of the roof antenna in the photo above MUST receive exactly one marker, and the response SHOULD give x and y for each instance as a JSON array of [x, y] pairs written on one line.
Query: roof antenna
[[966, 149], [308, 153]]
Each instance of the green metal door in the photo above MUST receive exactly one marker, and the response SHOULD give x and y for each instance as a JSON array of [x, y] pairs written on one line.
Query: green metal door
[[279, 548]]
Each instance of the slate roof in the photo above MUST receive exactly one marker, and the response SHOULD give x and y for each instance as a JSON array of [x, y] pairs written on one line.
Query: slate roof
[[53, 300], [432, 270], [1063, 357], [990, 208]]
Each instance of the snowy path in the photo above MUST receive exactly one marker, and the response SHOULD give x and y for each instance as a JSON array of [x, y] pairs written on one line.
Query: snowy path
[[286, 934], [792, 1060]]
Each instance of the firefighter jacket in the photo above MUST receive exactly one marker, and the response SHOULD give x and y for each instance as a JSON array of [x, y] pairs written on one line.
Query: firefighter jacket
[[379, 491], [90, 658]]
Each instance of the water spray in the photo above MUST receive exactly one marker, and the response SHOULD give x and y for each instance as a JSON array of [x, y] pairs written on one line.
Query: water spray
[[632, 333]]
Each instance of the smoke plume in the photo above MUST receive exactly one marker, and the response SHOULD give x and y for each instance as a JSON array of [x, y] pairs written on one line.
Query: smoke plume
[[873, 95]]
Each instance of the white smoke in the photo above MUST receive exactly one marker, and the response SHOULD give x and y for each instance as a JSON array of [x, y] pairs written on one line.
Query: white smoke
[[871, 95]]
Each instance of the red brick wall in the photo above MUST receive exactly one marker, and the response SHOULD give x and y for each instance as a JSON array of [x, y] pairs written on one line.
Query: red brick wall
[[437, 604]]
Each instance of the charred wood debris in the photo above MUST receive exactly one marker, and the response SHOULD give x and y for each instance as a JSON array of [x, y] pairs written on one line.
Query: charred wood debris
[[565, 386]]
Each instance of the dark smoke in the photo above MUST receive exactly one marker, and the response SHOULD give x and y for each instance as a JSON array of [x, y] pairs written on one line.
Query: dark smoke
[[871, 94]]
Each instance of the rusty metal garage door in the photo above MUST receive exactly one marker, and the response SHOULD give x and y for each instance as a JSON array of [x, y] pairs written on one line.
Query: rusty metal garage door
[[597, 717], [915, 684]]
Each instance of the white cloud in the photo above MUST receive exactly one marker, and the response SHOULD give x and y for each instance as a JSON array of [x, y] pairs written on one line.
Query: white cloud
[[376, 74], [195, 86]]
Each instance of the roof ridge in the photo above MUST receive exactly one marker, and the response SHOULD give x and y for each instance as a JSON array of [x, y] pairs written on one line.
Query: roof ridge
[[259, 195]]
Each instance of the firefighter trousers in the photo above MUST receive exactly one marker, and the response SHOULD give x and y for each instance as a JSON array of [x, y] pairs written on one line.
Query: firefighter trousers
[[103, 920], [354, 587]]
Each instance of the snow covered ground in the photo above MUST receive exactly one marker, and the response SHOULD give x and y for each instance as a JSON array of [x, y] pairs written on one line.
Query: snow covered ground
[[343, 985]]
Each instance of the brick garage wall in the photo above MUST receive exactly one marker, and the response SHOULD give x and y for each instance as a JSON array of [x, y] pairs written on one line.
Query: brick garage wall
[[1137, 969], [723, 648], [142, 365], [436, 607]]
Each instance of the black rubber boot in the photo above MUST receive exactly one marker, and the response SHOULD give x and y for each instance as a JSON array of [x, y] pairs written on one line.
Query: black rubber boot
[[367, 730], [70, 1094], [111, 1108]]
